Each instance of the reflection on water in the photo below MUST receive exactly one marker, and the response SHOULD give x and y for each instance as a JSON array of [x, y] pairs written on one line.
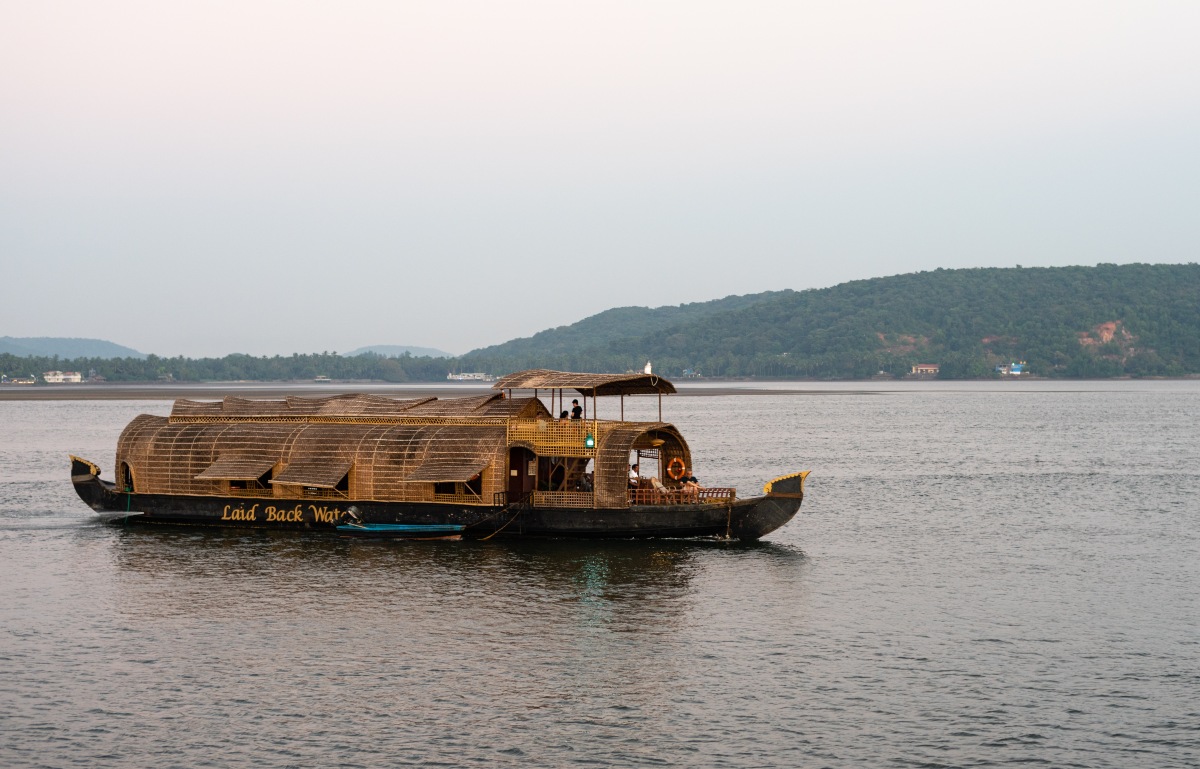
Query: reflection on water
[[167, 571]]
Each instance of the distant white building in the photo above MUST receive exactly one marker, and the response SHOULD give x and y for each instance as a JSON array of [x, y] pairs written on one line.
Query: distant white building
[[474, 376], [62, 377]]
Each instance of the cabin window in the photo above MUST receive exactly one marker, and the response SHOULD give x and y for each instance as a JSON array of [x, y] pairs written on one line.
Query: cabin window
[[258, 484], [340, 489], [459, 489]]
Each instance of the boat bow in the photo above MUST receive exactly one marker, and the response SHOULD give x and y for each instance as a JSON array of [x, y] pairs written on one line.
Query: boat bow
[[781, 500]]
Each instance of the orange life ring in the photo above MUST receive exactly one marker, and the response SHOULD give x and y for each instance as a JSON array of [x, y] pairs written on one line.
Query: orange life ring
[[676, 468]]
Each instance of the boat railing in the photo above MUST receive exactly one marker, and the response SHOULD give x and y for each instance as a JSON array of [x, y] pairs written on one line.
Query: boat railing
[[559, 438], [707, 496], [563, 499], [466, 498], [252, 491], [311, 493], [505, 499]]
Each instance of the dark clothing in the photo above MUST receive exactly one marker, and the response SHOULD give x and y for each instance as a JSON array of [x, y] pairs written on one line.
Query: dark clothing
[[577, 412]]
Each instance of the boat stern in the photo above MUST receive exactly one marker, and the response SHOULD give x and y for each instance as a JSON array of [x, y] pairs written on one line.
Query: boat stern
[[85, 477]]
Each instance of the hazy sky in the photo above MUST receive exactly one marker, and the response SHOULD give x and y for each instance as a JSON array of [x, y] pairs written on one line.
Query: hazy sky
[[274, 177]]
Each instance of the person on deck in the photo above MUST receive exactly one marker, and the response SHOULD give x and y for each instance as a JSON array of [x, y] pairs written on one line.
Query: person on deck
[[576, 409], [633, 475], [562, 417]]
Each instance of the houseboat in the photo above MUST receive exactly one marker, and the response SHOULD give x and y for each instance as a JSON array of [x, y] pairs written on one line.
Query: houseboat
[[492, 465]]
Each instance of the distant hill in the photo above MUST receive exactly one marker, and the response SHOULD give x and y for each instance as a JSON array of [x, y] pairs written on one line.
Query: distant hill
[[1103, 321], [1107, 320], [397, 351], [611, 327], [66, 348]]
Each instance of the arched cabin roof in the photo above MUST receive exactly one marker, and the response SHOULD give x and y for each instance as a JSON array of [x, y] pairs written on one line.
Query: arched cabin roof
[[359, 407], [384, 444], [612, 456]]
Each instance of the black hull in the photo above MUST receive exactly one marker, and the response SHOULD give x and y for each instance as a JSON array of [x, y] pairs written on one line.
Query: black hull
[[745, 519]]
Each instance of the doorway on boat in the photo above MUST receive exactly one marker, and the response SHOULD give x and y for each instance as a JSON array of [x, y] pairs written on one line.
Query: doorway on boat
[[561, 474], [564, 482], [522, 473], [125, 477]]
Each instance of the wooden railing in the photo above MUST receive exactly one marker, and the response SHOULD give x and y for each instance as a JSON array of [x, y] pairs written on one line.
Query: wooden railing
[[560, 439], [310, 493], [563, 499], [465, 498], [707, 496], [504, 499], [254, 491]]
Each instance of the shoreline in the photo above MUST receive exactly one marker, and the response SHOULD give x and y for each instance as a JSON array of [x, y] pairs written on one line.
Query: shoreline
[[276, 390]]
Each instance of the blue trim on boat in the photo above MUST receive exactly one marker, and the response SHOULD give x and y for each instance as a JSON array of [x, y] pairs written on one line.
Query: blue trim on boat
[[401, 528]]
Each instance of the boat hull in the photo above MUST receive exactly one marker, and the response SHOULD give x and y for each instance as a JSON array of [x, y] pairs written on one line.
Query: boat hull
[[744, 519]]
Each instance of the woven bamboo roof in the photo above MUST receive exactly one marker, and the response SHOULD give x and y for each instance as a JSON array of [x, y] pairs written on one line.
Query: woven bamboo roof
[[357, 404], [443, 470], [359, 407], [234, 468], [585, 384], [319, 473]]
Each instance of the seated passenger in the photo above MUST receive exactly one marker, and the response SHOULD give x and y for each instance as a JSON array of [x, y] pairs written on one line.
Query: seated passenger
[[633, 476], [562, 417]]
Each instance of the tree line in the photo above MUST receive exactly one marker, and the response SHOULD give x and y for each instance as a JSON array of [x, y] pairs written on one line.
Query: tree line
[[1103, 321]]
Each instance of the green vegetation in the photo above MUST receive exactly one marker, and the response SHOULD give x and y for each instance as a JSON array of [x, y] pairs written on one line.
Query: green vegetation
[[237, 368], [1103, 321], [398, 350], [966, 320]]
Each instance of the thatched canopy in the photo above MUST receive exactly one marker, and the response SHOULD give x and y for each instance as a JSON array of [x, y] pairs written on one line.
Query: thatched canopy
[[235, 468], [586, 384]]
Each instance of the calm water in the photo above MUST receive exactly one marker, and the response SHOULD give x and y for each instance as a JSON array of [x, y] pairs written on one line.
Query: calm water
[[982, 574]]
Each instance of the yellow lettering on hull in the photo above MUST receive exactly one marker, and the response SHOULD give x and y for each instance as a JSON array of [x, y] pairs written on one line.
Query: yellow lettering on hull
[[271, 514], [324, 514], [240, 513], [280, 515]]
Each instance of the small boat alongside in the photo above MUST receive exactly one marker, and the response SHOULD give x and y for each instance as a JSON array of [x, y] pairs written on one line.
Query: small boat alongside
[[402, 530], [495, 465]]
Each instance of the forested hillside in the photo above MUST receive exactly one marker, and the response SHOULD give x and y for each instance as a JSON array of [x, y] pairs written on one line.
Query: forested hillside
[[611, 327], [1108, 320]]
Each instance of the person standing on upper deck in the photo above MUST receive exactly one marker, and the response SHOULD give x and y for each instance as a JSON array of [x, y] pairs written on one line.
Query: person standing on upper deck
[[576, 409]]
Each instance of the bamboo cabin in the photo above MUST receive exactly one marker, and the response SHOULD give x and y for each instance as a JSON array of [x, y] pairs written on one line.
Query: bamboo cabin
[[473, 466]]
